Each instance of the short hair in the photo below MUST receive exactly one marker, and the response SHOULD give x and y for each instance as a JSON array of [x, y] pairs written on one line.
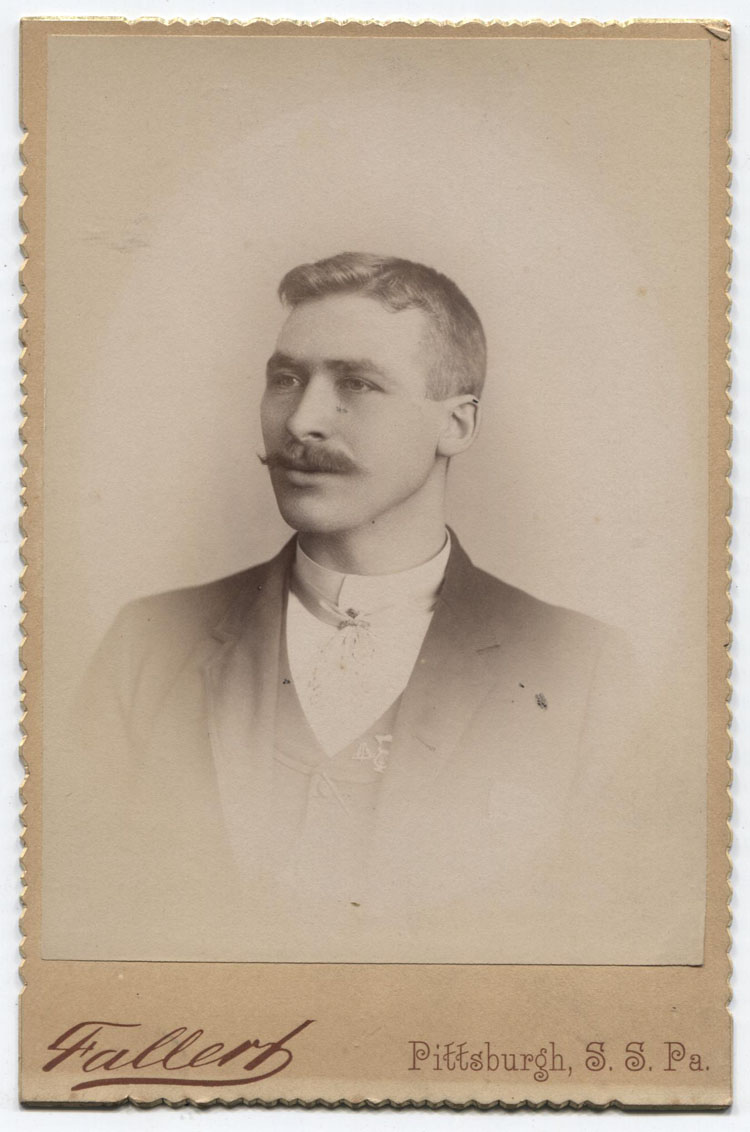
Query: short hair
[[400, 284]]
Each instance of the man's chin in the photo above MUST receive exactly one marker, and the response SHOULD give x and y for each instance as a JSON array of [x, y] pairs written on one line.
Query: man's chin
[[311, 517]]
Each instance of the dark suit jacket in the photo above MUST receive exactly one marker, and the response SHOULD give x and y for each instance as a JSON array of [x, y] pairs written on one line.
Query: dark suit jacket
[[510, 825]]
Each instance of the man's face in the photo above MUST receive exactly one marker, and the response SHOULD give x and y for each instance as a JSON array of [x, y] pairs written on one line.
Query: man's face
[[347, 425]]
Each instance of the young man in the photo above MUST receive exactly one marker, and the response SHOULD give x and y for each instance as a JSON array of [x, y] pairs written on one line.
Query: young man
[[367, 749]]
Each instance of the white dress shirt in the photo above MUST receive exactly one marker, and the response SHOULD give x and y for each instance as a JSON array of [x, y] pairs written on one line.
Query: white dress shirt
[[354, 639]]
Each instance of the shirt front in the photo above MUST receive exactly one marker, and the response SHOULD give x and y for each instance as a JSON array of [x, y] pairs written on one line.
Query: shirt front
[[353, 641]]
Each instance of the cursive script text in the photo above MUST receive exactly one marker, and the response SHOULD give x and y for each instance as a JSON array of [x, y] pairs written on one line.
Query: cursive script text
[[96, 1048]]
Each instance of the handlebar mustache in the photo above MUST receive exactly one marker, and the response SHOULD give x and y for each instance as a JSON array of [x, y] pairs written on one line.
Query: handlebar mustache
[[301, 459]]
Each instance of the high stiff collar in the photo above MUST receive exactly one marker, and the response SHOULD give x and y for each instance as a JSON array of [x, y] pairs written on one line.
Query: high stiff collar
[[367, 593], [466, 613]]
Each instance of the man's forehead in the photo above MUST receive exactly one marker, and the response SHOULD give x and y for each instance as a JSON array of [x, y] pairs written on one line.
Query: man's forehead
[[339, 326]]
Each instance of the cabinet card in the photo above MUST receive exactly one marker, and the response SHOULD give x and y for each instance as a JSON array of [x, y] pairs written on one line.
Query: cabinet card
[[376, 563]]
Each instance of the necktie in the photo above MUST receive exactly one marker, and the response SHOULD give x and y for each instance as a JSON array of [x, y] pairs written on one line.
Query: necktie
[[361, 665], [345, 658]]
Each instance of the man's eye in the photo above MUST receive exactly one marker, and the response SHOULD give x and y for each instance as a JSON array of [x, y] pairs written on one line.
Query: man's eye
[[355, 385], [282, 380]]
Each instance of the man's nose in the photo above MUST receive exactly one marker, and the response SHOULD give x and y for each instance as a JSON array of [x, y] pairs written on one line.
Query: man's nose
[[313, 413]]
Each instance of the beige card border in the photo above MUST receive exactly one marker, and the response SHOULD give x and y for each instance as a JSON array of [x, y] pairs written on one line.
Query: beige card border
[[323, 1072]]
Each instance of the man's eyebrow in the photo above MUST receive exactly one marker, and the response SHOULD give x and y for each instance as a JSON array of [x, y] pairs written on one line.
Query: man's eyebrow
[[279, 360], [354, 365]]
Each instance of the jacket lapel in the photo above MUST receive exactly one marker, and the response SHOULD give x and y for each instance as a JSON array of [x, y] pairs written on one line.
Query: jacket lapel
[[241, 680], [458, 664]]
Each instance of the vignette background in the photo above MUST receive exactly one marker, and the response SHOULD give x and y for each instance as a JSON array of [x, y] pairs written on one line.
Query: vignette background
[[562, 184]]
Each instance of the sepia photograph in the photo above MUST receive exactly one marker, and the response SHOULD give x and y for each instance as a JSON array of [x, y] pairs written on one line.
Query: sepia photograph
[[368, 747], [381, 628]]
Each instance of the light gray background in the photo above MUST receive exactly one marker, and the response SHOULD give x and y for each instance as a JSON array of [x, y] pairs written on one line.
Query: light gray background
[[289, 1119]]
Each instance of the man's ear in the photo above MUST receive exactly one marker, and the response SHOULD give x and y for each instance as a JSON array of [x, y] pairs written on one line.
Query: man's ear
[[461, 424]]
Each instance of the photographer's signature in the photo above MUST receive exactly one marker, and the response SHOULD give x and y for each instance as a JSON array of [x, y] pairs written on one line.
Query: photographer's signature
[[179, 1057]]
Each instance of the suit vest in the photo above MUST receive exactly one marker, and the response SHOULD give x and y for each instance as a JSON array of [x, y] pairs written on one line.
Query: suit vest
[[325, 804]]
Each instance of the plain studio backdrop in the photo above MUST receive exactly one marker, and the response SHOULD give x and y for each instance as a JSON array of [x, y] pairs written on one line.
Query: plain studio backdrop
[[562, 185]]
